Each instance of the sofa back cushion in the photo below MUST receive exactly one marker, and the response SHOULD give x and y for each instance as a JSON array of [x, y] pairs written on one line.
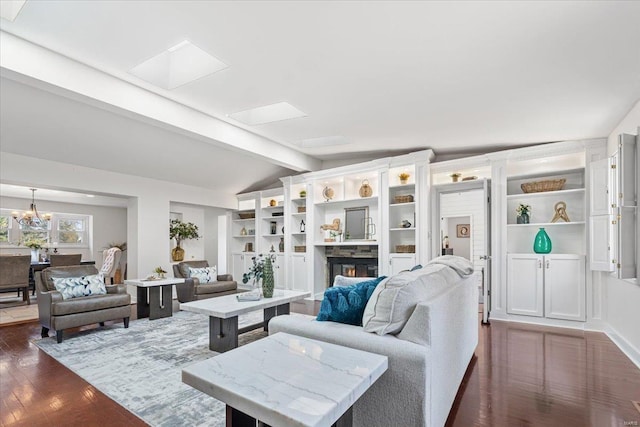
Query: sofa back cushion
[[204, 274], [73, 287], [393, 302], [340, 280], [184, 267], [72, 271], [345, 304]]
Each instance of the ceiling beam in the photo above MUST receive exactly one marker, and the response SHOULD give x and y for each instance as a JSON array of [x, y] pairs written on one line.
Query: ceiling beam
[[40, 67]]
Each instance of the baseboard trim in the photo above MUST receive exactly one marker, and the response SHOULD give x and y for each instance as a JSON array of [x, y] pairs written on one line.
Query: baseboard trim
[[629, 350]]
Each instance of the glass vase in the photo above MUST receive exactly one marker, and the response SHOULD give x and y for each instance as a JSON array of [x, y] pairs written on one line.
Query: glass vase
[[35, 256], [523, 218], [542, 242]]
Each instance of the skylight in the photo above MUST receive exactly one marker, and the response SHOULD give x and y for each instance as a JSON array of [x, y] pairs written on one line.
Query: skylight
[[268, 114], [178, 65], [9, 9]]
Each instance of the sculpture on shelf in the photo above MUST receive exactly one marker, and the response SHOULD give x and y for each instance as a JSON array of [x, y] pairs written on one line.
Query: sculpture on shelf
[[561, 212], [327, 193], [333, 228]]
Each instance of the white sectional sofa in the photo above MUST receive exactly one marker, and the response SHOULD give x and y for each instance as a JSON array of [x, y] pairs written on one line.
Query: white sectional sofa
[[427, 359]]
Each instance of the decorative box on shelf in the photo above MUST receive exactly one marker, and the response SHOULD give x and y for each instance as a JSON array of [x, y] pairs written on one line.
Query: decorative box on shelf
[[406, 249], [403, 199], [302, 209], [247, 215], [299, 248], [541, 186]]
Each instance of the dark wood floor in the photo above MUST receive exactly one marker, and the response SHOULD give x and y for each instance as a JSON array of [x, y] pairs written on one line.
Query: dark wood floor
[[521, 376]]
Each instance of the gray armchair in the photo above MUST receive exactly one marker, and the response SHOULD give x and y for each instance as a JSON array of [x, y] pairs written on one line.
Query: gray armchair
[[60, 314], [14, 274], [192, 289]]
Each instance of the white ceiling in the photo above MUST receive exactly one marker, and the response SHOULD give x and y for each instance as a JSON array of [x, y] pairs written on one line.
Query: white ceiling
[[21, 192], [452, 76]]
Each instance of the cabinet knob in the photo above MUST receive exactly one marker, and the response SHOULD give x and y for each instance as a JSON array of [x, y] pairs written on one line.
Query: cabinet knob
[[547, 264], [539, 264]]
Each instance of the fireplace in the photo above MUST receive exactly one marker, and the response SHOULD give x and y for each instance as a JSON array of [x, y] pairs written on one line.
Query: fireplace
[[352, 267]]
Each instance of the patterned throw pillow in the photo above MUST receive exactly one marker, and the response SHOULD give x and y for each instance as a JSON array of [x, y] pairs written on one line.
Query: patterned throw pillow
[[205, 274], [72, 287]]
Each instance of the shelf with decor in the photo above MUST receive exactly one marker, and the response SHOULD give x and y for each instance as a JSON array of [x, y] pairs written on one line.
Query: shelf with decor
[[546, 238], [401, 212]]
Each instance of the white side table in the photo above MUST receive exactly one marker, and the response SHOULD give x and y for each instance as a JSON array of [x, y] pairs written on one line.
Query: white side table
[[285, 380], [154, 297]]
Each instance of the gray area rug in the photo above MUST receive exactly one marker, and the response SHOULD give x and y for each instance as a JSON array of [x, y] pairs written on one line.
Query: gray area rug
[[140, 367]]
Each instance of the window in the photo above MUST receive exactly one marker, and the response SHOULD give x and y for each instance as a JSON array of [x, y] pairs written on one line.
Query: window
[[5, 223], [71, 230], [65, 230]]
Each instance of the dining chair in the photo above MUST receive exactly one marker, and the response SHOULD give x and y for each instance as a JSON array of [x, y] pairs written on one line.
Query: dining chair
[[14, 274], [58, 260]]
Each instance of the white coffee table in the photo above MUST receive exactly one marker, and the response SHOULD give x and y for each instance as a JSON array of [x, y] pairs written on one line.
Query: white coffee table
[[223, 315], [153, 303], [285, 380]]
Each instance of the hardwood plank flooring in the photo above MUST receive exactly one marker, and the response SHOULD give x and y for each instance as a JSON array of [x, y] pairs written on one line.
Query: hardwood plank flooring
[[522, 375]]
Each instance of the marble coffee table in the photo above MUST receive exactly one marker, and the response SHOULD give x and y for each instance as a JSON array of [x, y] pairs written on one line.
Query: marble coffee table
[[223, 315], [285, 380], [154, 297]]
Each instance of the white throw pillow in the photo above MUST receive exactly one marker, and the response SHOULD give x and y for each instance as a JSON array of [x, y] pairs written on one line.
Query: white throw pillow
[[393, 301], [204, 274], [348, 281], [72, 287]]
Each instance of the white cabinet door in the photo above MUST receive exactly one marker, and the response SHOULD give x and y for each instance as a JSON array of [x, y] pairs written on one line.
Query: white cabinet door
[[525, 284], [401, 262], [299, 281], [564, 287], [238, 268], [601, 256], [600, 195], [278, 272]]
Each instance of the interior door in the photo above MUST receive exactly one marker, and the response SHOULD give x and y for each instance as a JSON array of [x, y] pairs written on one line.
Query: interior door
[[486, 272]]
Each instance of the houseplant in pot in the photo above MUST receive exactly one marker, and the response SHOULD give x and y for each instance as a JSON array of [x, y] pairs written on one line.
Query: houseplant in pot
[[181, 231], [35, 245]]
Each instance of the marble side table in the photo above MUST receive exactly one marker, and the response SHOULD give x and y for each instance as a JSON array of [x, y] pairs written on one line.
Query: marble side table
[[285, 380]]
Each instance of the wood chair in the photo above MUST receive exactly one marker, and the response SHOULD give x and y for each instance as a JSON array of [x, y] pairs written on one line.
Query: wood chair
[[58, 260], [14, 274]]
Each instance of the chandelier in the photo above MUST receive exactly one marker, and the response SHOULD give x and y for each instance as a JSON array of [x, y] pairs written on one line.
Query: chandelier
[[31, 218]]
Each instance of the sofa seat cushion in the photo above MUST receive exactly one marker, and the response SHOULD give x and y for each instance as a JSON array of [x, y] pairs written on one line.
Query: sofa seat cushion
[[90, 303], [215, 287]]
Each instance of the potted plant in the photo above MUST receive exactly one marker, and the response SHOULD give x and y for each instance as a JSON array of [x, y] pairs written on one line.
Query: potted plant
[[35, 245], [160, 272], [262, 269], [523, 212], [181, 231], [404, 178]]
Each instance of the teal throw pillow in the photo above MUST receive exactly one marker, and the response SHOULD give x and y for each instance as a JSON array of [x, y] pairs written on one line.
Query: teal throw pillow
[[72, 287], [345, 304]]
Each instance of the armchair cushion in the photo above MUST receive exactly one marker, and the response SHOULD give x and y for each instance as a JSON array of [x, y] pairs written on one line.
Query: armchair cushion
[[72, 287], [90, 303], [213, 287], [183, 267], [73, 271], [204, 274]]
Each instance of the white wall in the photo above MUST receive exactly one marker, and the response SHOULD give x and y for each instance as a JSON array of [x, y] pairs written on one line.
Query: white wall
[[109, 225], [622, 297], [149, 201], [468, 204], [461, 246]]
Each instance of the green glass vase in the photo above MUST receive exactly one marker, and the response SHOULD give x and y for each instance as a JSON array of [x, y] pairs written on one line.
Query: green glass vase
[[267, 279], [542, 242]]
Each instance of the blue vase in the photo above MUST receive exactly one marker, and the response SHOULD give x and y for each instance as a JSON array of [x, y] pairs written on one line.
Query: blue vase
[[542, 242]]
